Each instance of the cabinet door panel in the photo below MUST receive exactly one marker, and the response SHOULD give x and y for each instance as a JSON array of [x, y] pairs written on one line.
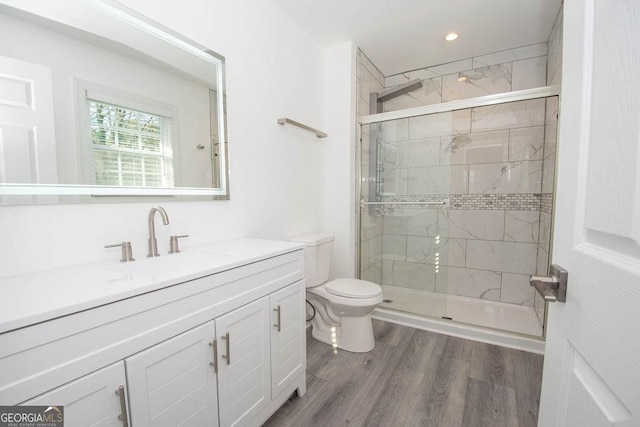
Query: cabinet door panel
[[244, 383], [90, 400], [173, 382], [287, 345]]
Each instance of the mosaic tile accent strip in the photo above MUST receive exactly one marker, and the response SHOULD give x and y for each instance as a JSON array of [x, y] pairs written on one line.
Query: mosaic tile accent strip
[[546, 202], [514, 202]]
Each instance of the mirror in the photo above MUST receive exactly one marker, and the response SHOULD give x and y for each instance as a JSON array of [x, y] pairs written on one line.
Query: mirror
[[99, 103]]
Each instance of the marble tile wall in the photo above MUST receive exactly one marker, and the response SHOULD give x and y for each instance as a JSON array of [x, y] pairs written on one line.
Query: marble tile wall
[[484, 254], [514, 69], [554, 53], [495, 149]]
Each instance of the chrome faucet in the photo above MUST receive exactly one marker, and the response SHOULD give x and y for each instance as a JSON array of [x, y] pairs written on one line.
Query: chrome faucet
[[153, 242]]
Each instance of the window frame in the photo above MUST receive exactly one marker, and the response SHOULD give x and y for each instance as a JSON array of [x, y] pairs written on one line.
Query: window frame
[[93, 91]]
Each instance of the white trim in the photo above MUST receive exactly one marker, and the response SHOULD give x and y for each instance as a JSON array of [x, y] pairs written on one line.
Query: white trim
[[45, 189], [481, 101], [120, 98]]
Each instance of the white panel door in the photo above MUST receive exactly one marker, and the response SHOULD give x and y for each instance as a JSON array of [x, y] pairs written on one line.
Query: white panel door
[[591, 371], [243, 358], [89, 401], [174, 383], [27, 138], [288, 338]]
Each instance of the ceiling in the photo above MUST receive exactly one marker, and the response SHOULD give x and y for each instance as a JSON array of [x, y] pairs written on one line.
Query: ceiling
[[404, 35]]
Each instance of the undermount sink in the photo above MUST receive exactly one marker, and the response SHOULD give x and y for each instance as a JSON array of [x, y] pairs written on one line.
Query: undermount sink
[[175, 264]]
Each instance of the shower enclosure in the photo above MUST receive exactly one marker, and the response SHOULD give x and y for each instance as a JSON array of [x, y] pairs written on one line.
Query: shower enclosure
[[455, 206]]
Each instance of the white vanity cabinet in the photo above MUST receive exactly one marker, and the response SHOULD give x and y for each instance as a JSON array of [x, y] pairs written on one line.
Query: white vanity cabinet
[[225, 349], [256, 350]]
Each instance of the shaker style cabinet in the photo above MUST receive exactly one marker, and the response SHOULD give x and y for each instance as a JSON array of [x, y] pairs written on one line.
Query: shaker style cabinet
[[222, 355]]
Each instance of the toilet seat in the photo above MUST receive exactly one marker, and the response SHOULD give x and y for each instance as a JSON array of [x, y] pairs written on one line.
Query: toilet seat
[[353, 288]]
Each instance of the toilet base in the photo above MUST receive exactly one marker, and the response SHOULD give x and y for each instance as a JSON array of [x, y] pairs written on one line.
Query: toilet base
[[354, 334]]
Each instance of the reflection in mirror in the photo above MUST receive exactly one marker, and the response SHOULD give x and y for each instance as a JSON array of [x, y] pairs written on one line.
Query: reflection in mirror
[[96, 100]]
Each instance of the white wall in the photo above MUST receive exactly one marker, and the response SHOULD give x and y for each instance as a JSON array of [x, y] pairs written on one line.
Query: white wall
[[277, 173], [340, 106]]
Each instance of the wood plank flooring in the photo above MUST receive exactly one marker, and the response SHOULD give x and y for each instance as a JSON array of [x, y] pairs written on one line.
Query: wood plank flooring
[[416, 378]]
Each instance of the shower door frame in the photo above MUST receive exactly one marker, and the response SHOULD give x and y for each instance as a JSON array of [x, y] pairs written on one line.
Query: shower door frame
[[445, 107]]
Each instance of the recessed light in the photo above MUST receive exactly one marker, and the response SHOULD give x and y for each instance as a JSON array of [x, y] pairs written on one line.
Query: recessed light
[[462, 79], [451, 37]]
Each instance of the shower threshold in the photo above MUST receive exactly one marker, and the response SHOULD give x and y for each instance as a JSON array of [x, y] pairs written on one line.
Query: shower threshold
[[461, 315]]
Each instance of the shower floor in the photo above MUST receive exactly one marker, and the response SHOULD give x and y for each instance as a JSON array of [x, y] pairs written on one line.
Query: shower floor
[[491, 314]]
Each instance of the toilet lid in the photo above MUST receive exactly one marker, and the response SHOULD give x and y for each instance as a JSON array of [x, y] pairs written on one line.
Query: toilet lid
[[353, 288]]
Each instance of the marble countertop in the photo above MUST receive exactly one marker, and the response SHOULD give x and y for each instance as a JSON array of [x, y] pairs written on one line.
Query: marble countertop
[[38, 297]]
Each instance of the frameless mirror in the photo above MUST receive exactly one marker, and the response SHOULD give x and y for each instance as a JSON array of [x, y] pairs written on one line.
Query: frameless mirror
[[98, 102]]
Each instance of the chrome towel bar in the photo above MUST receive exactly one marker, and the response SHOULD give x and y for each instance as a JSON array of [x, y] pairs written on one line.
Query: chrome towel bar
[[318, 133], [363, 203]]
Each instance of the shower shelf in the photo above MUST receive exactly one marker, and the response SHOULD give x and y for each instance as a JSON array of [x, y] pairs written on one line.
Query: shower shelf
[[318, 133]]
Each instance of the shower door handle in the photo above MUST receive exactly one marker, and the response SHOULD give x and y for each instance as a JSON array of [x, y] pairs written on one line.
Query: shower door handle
[[553, 287]]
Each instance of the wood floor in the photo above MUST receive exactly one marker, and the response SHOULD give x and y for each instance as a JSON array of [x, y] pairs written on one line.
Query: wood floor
[[416, 378]]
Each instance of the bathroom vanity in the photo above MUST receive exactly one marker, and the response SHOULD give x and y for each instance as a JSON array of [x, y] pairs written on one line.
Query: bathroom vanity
[[211, 336]]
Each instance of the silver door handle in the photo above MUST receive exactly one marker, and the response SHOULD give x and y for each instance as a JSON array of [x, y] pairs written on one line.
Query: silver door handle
[[553, 287], [214, 344], [279, 324], [228, 355], [123, 407]]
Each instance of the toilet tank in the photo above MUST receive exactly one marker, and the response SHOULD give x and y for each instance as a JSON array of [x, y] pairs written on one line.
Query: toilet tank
[[317, 257]]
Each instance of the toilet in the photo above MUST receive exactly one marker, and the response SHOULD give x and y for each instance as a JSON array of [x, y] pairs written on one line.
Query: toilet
[[343, 307]]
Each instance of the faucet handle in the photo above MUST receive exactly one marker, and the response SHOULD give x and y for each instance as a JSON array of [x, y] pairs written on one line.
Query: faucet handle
[[173, 243], [127, 252]]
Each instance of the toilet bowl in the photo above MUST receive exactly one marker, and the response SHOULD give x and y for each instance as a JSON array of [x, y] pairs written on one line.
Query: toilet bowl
[[342, 307]]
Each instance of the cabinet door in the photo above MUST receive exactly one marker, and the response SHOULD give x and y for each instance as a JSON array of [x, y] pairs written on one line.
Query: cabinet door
[[243, 356], [174, 383], [93, 400], [287, 336]]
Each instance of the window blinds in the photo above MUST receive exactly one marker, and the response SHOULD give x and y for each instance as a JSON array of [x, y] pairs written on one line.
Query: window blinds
[[129, 147]]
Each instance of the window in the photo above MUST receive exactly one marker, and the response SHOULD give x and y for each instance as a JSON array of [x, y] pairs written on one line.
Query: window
[[129, 147]]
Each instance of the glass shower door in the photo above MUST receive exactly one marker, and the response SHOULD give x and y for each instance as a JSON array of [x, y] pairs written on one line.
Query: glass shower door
[[456, 212], [400, 247]]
